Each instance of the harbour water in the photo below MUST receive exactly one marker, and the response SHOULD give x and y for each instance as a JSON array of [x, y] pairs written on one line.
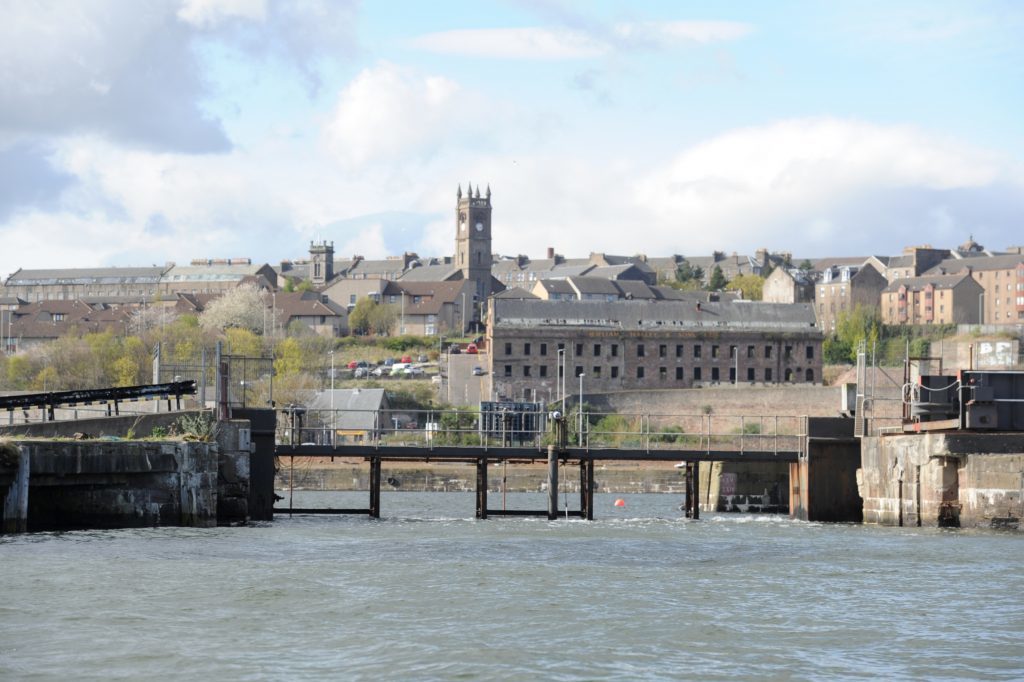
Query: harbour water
[[428, 592]]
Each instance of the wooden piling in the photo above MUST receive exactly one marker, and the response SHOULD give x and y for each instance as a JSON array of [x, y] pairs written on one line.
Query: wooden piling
[[587, 489], [375, 487], [481, 488], [552, 483]]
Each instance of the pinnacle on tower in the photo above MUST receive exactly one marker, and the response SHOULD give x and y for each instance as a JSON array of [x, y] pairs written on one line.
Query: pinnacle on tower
[[458, 192], [478, 191], [488, 191]]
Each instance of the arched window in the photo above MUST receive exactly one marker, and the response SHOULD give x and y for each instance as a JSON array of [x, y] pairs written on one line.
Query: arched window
[[809, 376], [789, 375]]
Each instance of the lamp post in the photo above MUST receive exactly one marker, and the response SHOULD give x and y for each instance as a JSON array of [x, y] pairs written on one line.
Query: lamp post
[[333, 427], [560, 379], [463, 312], [580, 434], [981, 300]]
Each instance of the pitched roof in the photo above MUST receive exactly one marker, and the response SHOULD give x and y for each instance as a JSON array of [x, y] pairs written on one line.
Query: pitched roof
[[149, 275], [515, 293], [920, 283], [979, 264], [357, 408], [646, 315]]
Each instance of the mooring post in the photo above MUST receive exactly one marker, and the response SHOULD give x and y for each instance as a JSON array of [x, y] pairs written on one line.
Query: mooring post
[[688, 484], [374, 487], [481, 488], [15, 509], [552, 483]]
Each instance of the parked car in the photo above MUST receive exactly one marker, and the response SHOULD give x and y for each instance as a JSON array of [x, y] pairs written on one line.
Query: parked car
[[361, 373], [422, 358], [413, 372], [388, 362], [352, 365], [471, 349], [406, 359], [364, 364], [478, 371], [380, 371], [454, 349], [436, 379]]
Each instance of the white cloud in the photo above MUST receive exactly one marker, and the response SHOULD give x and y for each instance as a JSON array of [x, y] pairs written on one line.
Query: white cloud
[[568, 43], [815, 174], [209, 13], [388, 113]]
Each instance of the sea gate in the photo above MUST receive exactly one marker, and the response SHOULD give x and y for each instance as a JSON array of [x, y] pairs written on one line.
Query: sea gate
[[575, 441]]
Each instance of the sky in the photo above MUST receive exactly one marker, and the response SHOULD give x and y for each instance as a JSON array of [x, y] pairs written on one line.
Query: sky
[[135, 133]]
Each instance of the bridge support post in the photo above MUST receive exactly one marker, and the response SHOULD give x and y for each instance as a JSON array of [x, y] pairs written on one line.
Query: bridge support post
[[481, 488], [696, 490], [374, 487], [587, 489], [552, 483]]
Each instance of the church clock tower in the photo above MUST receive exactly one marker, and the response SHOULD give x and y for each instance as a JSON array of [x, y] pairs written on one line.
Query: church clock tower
[[473, 242]]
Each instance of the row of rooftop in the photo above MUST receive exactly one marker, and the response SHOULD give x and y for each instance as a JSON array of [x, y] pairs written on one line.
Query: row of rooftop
[[924, 285]]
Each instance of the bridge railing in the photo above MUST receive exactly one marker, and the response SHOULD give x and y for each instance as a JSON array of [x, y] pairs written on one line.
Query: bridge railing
[[590, 430]]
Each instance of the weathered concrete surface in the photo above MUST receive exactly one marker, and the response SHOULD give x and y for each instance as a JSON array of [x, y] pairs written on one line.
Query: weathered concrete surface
[[14, 470], [943, 479], [141, 426], [120, 484], [234, 443]]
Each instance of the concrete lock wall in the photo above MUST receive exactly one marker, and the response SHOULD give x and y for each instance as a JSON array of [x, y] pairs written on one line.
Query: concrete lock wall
[[120, 484], [943, 479]]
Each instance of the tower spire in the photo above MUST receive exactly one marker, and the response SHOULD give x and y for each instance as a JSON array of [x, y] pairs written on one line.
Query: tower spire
[[458, 192]]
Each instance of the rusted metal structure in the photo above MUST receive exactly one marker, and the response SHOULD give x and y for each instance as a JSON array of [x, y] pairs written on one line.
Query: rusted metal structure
[[111, 397], [972, 400]]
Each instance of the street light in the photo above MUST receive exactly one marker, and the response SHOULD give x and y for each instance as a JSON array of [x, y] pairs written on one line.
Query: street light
[[463, 312], [333, 423], [560, 379], [581, 410]]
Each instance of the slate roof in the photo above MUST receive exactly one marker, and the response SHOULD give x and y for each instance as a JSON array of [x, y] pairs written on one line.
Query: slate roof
[[357, 408], [661, 315], [981, 263], [81, 276], [516, 293], [919, 283]]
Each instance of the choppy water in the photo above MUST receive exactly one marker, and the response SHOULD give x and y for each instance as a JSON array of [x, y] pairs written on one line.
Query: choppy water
[[430, 593]]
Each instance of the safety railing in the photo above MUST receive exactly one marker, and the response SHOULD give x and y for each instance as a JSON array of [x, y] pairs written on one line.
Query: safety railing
[[589, 430]]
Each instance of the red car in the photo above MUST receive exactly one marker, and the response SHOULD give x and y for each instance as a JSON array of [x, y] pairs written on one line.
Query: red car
[[352, 365], [471, 349], [406, 359]]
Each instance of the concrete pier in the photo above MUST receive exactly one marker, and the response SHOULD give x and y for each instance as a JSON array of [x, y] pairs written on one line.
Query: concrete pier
[[960, 479]]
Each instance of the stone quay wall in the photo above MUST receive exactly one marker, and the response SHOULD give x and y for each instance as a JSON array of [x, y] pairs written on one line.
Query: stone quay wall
[[969, 480]]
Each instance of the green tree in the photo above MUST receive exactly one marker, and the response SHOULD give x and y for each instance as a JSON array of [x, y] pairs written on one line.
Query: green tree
[[752, 286], [383, 319], [806, 265], [243, 342], [863, 323], [717, 281], [360, 319]]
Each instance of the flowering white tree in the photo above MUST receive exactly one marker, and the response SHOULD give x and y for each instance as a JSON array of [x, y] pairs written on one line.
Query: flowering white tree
[[242, 307]]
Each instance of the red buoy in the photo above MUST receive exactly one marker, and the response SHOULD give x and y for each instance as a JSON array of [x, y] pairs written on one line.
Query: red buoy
[[620, 502]]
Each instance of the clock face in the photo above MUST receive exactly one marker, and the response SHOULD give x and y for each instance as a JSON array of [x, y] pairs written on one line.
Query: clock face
[[479, 227]]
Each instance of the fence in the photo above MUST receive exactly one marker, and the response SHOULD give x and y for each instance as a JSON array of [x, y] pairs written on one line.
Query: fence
[[600, 430]]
